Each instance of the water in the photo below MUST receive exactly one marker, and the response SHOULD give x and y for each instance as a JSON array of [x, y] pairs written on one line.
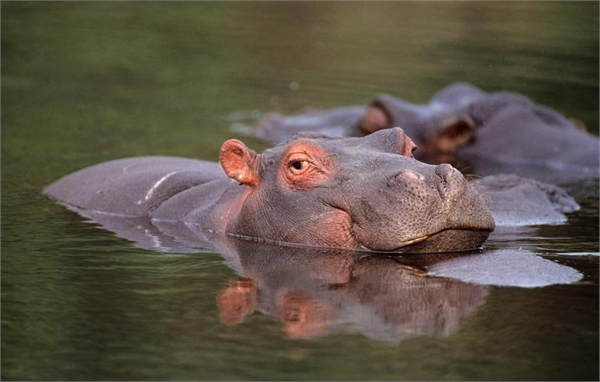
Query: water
[[84, 83]]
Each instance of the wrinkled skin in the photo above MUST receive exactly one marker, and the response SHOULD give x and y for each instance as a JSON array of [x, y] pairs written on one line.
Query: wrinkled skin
[[358, 193], [482, 133]]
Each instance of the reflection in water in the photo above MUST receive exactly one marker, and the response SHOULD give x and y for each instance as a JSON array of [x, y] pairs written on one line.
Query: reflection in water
[[302, 315], [237, 301], [318, 292], [315, 292]]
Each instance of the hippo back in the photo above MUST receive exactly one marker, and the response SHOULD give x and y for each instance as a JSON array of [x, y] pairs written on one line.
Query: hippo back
[[131, 187]]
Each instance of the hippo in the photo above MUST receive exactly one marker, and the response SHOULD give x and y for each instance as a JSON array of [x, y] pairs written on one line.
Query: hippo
[[362, 193], [515, 203], [482, 133]]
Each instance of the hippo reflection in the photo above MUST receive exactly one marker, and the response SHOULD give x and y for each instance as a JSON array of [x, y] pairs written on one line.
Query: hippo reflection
[[318, 292], [485, 133], [357, 193]]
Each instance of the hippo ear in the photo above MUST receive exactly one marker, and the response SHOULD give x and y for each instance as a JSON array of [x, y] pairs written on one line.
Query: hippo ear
[[580, 125], [392, 140], [238, 162], [455, 133], [374, 119]]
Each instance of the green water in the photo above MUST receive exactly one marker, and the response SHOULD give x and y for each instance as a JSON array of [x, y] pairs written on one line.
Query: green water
[[84, 83]]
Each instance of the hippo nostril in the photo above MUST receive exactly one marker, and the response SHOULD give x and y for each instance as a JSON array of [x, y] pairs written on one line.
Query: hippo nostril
[[446, 171], [410, 175], [450, 182]]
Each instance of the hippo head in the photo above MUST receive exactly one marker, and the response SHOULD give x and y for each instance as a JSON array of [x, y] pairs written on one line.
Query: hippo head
[[439, 130], [359, 193]]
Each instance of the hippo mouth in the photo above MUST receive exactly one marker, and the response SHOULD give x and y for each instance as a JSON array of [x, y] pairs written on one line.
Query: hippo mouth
[[450, 240], [446, 241]]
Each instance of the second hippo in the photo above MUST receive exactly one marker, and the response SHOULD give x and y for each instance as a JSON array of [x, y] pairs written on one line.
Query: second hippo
[[482, 133]]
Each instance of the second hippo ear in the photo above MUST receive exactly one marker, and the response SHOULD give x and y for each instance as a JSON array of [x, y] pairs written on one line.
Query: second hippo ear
[[455, 133], [238, 162], [374, 119]]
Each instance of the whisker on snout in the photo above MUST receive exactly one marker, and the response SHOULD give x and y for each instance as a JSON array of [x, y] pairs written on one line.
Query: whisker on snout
[[463, 169], [469, 177]]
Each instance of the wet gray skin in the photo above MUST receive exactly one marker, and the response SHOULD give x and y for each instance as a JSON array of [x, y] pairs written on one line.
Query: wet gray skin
[[493, 133], [482, 133], [357, 193], [338, 122], [516, 201], [275, 128]]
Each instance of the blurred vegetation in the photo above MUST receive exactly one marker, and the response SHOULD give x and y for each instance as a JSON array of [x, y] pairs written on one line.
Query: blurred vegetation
[[131, 78]]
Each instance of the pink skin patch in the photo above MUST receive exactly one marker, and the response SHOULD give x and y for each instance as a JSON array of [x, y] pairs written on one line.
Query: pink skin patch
[[409, 147], [411, 175]]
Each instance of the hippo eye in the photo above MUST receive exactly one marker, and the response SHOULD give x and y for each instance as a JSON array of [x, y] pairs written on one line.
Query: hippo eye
[[299, 166], [303, 170]]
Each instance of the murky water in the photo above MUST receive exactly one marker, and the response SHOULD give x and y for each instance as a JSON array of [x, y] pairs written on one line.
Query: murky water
[[84, 83]]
